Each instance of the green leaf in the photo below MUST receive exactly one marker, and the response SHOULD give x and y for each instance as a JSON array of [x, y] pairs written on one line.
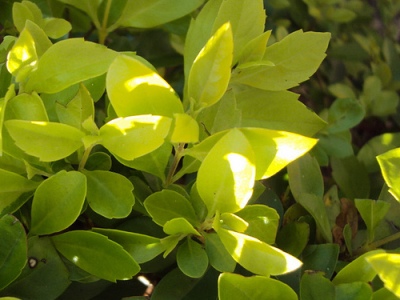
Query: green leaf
[[62, 66], [141, 247], [239, 13], [152, 13], [233, 222], [341, 90], [389, 163], [314, 286], [372, 212], [166, 205], [384, 293], [211, 70], [262, 220], [46, 140], [277, 110], [354, 291], [255, 49], [135, 136], [170, 242], [256, 256], [226, 177], [293, 238], [77, 110], [290, 61], [22, 58], [351, 177], [306, 184], [154, 162], [89, 7], [217, 254], [21, 12], [57, 202], [358, 270], [323, 257], [275, 149], [96, 254], [41, 41], [56, 27], [376, 146], [27, 107], [387, 266], [220, 116], [109, 194], [237, 287], [12, 186], [186, 129], [45, 276], [192, 259], [14, 251], [199, 32], [179, 226], [135, 89], [344, 114], [181, 284]]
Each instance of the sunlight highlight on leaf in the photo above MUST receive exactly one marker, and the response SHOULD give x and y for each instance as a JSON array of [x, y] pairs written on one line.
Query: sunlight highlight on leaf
[[243, 176], [134, 88], [387, 265], [134, 136]]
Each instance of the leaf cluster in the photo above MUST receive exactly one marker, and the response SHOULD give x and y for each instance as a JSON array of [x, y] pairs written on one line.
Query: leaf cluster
[[160, 147]]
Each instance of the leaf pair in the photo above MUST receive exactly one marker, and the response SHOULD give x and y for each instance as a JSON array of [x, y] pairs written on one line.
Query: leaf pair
[[58, 201]]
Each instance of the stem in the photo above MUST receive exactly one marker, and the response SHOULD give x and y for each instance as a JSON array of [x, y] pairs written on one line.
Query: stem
[[385, 240], [178, 155], [85, 157], [378, 243], [103, 30]]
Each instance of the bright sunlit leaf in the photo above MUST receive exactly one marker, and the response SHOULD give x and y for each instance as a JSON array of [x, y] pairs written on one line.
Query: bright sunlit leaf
[[358, 270], [390, 167], [256, 256], [22, 58], [135, 89], [211, 70], [49, 141], [135, 136], [186, 129], [387, 265], [226, 176], [274, 150]]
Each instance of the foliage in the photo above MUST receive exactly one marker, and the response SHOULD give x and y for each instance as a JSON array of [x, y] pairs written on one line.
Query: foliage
[[189, 168]]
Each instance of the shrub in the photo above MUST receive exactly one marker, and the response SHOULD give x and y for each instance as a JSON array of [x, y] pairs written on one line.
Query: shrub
[[190, 169]]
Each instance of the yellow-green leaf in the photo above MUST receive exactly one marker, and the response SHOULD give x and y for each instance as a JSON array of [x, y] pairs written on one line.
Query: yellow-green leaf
[[211, 70], [387, 265], [226, 176], [135, 136], [256, 256], [48, 141], [135, 89], [390, 167], [274, 150], [186, 129]]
